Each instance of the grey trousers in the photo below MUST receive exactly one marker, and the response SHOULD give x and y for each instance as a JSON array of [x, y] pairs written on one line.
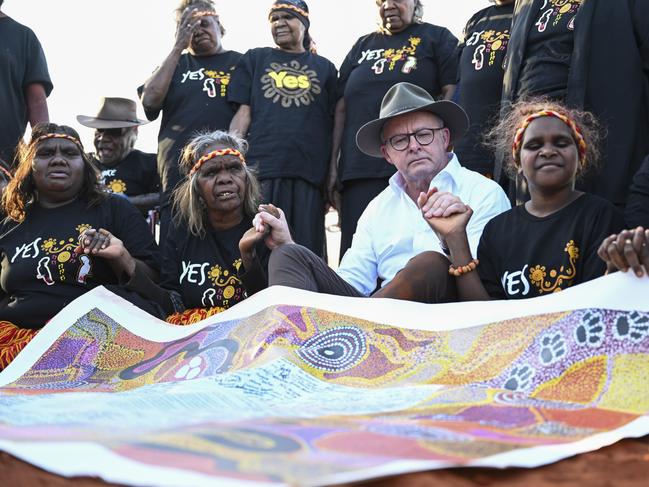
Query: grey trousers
[[424, 279]]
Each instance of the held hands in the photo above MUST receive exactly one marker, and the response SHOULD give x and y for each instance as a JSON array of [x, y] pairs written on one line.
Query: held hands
[[627, 250], [444, 212], [269, 224]]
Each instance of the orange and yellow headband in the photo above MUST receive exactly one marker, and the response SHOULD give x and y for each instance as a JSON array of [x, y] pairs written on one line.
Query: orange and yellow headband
[[59, 136], [288, 6], [205, 13], [216, 153], [576, 133]]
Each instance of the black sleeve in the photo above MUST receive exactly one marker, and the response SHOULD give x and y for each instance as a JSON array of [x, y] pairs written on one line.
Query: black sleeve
[[168, 301], [165, 294], [171, 258], [346, 69], [640, 11], [153, 178], [446, 50], [36, 67], [637, 206], [331, 87], [241, 84], [150, 113], [487, 268], [606, 221], [256, 278], [129, 226]]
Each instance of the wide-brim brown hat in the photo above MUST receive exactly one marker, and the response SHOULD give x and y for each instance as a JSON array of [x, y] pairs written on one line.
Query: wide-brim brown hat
[[114, 113], [405, 98]]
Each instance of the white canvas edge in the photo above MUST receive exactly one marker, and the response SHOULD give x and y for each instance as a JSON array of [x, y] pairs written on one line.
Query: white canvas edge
[[531, 457], [97, 461], [402, 314]]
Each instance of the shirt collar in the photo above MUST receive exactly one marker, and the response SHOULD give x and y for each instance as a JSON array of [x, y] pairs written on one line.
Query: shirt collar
[[447, 177]]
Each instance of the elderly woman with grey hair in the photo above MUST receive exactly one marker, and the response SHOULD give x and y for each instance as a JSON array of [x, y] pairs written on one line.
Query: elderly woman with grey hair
[[404, 48], [212, 256]]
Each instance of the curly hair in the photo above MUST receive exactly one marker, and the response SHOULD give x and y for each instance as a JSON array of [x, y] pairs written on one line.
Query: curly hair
[[417, 16], [500, 137], [21, 192], [186, 198]]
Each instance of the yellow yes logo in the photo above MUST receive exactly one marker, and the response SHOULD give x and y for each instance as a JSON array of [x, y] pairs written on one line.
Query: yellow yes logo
[[290, 81], [290, 84]]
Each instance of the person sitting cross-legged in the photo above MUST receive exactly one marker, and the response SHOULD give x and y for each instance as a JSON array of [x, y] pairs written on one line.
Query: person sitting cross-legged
[[393, 244]]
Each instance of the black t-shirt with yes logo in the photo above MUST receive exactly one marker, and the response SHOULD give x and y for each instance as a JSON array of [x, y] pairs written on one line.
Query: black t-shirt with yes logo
[[40, 270], [292, 98]]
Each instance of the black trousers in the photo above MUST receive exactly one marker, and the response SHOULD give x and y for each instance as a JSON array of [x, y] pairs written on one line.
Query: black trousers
[[355, 196], [424, 279], [303, 205]]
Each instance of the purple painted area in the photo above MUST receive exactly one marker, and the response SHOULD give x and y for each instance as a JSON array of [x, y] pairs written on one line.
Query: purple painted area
[[501, 416], [62, 353]]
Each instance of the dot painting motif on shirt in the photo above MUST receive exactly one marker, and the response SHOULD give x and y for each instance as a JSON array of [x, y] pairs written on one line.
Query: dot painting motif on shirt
[[487, 43], [553, 11], [213, 83], [545, 281], [58, 260], [388, 58], [226, 289], [291, 83]]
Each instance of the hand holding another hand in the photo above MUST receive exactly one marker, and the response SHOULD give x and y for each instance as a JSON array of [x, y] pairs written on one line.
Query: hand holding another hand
[[445, 213], [269, 224]]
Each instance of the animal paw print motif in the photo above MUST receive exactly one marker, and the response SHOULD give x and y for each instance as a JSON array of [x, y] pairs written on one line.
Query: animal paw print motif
[[632, 326], [591, 329], [519, 378], [553, 348], [190, 370]]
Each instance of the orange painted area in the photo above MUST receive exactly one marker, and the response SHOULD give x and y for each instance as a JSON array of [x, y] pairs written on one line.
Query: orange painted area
[[582, 383]]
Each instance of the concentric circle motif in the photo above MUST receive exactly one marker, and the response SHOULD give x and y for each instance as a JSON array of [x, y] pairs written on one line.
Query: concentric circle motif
[[334, 350]]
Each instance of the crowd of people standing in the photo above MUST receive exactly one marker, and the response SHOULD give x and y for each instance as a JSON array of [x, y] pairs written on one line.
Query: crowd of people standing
[[420, 141]]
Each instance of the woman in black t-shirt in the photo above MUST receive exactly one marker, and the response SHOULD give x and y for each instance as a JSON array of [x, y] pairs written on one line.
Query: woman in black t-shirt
[[403, 49], [190, 88], [63, 236], [549, 243], [481, 70], [212, 257], [285, 97]]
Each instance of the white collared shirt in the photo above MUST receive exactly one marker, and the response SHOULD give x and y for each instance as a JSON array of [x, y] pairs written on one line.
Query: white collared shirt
[[392, 229]]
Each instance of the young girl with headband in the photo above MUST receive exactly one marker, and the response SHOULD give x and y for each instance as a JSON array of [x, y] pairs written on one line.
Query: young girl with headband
[[550, 243]]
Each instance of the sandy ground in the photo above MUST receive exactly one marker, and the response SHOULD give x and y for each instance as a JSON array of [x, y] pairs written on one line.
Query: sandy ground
[[624, 464]]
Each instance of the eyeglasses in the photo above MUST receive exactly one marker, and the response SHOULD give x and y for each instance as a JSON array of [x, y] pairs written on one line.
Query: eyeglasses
[[401, 142]]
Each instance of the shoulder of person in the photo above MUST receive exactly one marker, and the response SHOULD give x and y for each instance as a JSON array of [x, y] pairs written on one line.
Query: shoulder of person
[[145, 156], [435, 30], [118, 203], [13, 26], [475, 18], [256, 52], [592, 203]]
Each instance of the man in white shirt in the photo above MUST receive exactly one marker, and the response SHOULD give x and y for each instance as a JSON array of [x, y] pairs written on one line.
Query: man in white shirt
[[393, 244]]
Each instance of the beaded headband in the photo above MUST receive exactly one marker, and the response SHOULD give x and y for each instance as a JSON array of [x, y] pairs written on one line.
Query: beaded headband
[[59, 136], [216, 153], [205, 13], [576, 133], [287, 6]]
